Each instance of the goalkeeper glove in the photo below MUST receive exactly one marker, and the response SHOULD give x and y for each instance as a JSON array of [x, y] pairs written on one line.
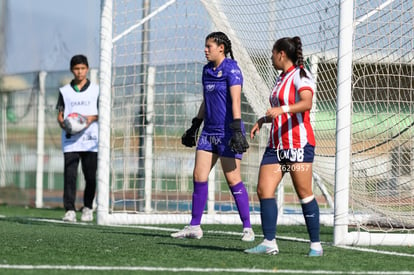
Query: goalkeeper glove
[[190, 136], [238, 142]]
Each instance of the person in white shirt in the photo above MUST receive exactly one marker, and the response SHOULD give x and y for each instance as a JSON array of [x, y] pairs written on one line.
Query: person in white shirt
[[80, 96]]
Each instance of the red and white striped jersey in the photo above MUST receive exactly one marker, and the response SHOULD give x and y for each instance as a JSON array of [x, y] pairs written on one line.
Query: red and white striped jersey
[[291, 130]]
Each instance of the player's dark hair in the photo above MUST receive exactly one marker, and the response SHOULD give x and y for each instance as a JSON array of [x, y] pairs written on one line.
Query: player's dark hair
[[221, 39], [78, 59], [292, 46]]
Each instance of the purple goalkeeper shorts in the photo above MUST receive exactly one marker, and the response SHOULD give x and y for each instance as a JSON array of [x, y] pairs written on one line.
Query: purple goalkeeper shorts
[[217, 144]]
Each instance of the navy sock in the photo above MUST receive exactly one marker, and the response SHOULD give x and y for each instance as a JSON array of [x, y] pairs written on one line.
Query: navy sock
[[311, 214], [268, 215]]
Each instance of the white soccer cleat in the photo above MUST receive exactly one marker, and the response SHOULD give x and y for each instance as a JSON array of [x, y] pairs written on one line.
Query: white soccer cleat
[[248, 235], [315, 253], [87, 214], [70, 216], [191, 232], [263, 249]]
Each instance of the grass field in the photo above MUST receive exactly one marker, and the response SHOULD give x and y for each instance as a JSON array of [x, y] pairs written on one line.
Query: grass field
[[35, 241]]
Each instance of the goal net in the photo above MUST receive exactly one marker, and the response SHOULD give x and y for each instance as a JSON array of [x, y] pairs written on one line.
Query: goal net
[[151, 62]]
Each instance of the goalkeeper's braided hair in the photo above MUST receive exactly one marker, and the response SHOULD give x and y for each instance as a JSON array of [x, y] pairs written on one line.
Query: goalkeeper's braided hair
[[292, 46], [221, 39]]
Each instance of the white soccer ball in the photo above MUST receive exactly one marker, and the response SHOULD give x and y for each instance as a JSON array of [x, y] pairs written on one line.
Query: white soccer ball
[[75, 123]]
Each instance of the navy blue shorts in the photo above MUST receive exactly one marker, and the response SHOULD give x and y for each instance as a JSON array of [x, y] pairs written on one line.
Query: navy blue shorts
[[292, 155], [217, 144]]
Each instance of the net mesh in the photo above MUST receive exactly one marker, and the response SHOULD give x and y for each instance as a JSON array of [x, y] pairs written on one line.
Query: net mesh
[[172, 43], [382, 133]]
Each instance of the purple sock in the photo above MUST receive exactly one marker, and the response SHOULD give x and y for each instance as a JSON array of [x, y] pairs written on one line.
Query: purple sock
[[242, 201], [200, 194]]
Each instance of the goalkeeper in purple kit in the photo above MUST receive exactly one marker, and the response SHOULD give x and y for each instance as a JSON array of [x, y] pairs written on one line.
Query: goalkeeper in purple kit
[[223, 134]]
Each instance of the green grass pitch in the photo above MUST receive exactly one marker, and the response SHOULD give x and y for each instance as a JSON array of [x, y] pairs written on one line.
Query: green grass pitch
[[35, 241]]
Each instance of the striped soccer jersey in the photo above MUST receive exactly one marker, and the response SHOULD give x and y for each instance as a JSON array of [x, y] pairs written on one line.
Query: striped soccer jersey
[[291, 130]]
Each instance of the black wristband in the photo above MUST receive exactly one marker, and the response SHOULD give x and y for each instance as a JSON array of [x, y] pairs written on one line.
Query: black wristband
[[197, 121], [236, 124]]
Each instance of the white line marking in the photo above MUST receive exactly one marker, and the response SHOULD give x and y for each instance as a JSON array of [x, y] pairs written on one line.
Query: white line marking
[[239, 234], [199, 270], [137, 268], [375, 251]]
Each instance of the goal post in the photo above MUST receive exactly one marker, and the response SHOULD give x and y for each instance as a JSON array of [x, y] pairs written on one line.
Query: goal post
[[105, 76], [342, 236], [343, 120], [360, 54]]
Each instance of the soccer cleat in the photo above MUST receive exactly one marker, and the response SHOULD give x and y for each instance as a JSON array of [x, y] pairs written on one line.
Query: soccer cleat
[[315, 253], [248, 235], [87, 214], [263, 249], [70, 216], [191, 232]]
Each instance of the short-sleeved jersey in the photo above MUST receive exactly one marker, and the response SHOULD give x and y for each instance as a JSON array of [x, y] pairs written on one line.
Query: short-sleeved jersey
[[85, 103], [217, 99], [291, 130]]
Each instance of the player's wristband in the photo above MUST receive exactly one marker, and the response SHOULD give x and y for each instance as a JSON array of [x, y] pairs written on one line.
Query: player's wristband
[[264, 119], [285, 108], [196, 122], [236, 124]]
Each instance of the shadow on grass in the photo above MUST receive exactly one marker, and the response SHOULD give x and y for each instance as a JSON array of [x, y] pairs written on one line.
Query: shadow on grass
[[201, 246]]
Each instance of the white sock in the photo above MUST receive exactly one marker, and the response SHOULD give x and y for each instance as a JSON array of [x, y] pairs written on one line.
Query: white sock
[[316, 246], [271, 243], [307, 199]]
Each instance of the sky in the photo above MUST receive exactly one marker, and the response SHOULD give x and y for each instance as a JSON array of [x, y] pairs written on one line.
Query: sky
[[45, 34]]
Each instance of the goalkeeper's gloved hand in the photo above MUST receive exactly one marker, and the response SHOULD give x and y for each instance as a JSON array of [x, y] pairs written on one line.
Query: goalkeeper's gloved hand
[[190, 136], [238, 142]]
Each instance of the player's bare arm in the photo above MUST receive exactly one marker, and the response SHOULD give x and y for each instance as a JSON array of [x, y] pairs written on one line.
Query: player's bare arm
[[235, 93], [238, 142], [304, 104], [92, 119], [60, 120], [258, 125], [200, 113]]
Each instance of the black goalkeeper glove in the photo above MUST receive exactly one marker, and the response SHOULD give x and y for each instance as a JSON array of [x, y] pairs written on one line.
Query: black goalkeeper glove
[[238, 142], [190, 136]]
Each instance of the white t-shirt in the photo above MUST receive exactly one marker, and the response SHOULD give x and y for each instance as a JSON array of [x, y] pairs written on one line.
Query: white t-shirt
[[84, 103]]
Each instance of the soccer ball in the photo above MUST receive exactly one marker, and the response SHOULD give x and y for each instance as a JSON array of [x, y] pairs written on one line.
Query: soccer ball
[[75, 123]]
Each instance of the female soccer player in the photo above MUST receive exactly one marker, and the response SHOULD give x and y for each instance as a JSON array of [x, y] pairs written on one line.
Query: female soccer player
[[223, 134], [290, 147]]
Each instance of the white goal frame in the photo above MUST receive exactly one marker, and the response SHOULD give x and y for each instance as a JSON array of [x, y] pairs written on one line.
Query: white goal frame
[[341, 219], [342, 236]]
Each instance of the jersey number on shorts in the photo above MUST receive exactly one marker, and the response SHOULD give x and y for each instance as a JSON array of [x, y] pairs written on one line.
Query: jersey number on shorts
[[293, 155]]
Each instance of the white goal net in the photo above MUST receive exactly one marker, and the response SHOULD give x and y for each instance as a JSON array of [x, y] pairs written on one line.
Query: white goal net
[[151, 63]]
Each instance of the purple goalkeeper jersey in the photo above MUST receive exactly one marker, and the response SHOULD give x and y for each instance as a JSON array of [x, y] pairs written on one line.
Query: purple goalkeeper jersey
[[217, 99]]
